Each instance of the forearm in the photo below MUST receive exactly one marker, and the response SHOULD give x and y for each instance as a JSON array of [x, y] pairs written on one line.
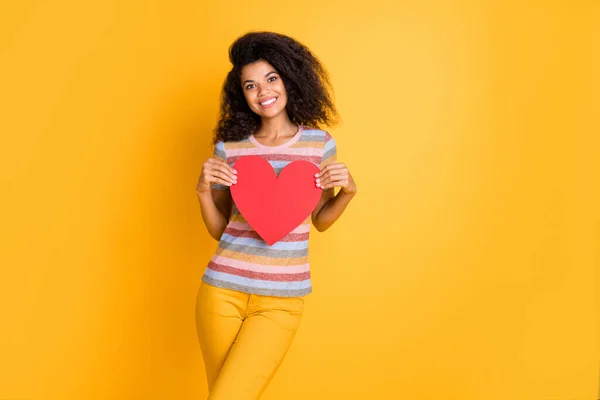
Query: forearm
[[214, 221], [332, 210]]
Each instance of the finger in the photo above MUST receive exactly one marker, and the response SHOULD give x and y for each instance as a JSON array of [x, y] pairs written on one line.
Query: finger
[[220, 162], [226, 169], [327, 181], [336, 183], [221, 181], [332, 166], [335, 174], [221, 175], [226, 165], [324, 180], [223, 168], [335, 170]]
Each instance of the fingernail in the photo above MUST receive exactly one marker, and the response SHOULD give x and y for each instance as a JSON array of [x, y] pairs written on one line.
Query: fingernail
[[234, 171], [317, 174], [318, 180]]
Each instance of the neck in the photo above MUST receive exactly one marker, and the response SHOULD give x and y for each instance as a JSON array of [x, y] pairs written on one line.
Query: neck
[[276, 127]]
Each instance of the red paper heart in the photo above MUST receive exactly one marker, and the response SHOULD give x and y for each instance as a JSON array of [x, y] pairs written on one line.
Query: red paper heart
[[274, 206]]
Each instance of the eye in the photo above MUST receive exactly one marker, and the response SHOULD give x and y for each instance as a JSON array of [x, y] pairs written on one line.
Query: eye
[[274, 77], [248, 86]]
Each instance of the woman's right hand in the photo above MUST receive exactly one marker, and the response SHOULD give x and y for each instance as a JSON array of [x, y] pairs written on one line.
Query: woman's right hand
[[215, 170]]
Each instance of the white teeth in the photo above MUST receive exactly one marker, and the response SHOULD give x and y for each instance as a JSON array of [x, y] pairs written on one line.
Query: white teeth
[[266, 103]]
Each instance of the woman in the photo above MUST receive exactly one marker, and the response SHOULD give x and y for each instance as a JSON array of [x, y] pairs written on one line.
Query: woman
[[251, 297]]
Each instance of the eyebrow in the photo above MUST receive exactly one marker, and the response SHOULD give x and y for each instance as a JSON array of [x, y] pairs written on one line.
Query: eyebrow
[[267, 74]]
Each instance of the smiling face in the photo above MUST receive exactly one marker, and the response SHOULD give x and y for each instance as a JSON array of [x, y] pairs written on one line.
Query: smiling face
[[264, 89]]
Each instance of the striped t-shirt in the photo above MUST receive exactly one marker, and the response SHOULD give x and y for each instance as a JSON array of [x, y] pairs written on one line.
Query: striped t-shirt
[[243, 261]]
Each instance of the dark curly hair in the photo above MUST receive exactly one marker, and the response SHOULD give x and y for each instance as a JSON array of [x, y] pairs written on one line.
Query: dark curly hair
[[305, 78]]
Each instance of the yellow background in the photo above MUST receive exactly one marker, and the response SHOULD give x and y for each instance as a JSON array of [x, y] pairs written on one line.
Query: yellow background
[[466, 267]]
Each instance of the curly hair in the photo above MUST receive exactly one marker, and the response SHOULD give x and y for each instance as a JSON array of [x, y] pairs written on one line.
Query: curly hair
[[305, 79]]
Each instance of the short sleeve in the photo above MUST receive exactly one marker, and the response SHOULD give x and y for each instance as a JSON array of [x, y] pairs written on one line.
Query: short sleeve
[[219, 152], [329, 151]]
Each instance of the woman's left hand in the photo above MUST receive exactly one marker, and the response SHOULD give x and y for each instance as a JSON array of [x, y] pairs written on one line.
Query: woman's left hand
[[336, 175]]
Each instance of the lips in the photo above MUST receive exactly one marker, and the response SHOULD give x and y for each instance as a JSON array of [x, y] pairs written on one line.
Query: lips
[[263, 105]]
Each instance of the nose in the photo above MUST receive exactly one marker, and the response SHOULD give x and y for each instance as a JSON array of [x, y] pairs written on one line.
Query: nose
[[264, 89]]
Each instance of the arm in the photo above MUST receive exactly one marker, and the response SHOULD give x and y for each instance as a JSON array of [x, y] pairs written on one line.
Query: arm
[[213, 192], [215, 206], [331, 207]]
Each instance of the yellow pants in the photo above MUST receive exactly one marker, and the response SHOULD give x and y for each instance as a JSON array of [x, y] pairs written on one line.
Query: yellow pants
[[243, 338]]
